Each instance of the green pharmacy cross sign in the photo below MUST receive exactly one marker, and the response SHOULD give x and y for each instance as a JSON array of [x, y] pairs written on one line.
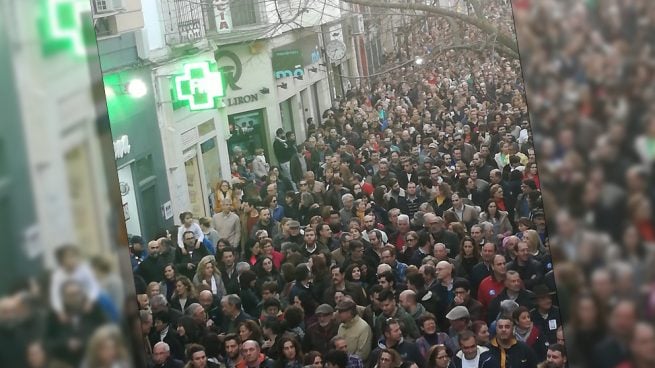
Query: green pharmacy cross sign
[[199, 86], [65, 25]]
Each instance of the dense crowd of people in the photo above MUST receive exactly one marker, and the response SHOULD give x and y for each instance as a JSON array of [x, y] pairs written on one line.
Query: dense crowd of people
[[406, 230], [589, 82]]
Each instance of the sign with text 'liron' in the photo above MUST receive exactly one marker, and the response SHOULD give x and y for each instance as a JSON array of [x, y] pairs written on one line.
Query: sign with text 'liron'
[[199, 86]]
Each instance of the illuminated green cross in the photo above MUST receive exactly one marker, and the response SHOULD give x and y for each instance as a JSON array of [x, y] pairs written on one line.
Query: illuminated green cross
[[199, 86], [65, 19]]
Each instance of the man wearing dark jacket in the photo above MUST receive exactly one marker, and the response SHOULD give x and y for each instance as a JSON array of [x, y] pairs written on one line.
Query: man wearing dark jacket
[[472, 354], [507, 350], [282, 152], [322, 331], [545, 315], [514, 291], [186, 261], [151, 268], [530, 270], [161, 357], [393, 339]]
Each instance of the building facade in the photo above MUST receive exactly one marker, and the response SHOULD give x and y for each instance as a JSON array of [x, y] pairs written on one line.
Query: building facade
[[273, 74]]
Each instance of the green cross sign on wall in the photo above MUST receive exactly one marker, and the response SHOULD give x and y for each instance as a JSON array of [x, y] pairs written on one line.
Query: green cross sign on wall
[[65, 25], [199, 85]]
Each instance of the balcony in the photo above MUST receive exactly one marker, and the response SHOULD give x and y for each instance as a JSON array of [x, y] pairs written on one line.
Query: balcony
[[115, 17]]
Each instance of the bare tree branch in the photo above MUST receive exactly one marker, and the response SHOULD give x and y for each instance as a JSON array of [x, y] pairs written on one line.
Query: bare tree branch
[[504, 39]]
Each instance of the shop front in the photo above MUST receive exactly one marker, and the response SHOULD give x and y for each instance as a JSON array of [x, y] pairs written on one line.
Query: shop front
[[217, 106]]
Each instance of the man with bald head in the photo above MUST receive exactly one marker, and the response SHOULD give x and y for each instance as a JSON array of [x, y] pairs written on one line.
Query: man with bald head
[[445, 278], [151, 268], [253, 357], [409, 303], [211, 306], [493, 284], [161, 357]]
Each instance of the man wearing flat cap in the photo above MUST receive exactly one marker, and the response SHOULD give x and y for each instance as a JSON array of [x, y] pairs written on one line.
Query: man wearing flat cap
[[322, 331], [460, 320]]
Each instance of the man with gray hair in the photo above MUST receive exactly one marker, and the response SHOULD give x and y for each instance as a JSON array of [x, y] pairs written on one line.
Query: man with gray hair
[[227, 223], [346, 211], [158, 303], [403, 226], [233, 313], [161, 357]]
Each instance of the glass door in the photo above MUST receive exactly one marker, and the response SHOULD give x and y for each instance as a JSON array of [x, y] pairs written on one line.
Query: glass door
[[194, 184]]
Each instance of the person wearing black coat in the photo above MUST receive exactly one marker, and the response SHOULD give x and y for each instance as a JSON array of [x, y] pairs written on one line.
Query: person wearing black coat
[[67, 333], [521, 296], [165, 331], [186, 261], [505, 348], [530, 270]]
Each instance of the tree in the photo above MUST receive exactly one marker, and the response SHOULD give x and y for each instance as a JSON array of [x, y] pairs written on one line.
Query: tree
[[506, 43]]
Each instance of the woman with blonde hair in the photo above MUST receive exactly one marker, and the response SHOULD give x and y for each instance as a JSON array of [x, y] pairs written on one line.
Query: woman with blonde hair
[[442, 200], [223, 190], [207, 273], [184, 295], [535, 246], [106, 349]]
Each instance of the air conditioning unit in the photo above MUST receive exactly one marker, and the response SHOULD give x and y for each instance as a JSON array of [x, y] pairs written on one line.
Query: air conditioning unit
[[107, 6]]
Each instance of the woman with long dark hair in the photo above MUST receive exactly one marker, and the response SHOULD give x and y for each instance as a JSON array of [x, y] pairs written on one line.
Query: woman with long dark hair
[[468, 257], [290, 354], [526, 331], [167, 285], [266, 271], [249, 330], [498, 218]]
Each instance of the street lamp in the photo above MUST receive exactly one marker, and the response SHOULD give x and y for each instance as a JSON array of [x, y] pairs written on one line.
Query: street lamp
[[136, 88]]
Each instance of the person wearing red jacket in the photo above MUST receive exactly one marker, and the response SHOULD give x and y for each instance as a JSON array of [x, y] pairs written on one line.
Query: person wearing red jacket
[[494, 284]]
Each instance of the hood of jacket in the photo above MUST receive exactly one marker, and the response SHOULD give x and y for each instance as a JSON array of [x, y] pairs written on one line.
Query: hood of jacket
[[481, 349], [382, 343]]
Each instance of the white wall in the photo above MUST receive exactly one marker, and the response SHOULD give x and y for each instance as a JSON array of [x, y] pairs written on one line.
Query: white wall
[[153, 31]]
